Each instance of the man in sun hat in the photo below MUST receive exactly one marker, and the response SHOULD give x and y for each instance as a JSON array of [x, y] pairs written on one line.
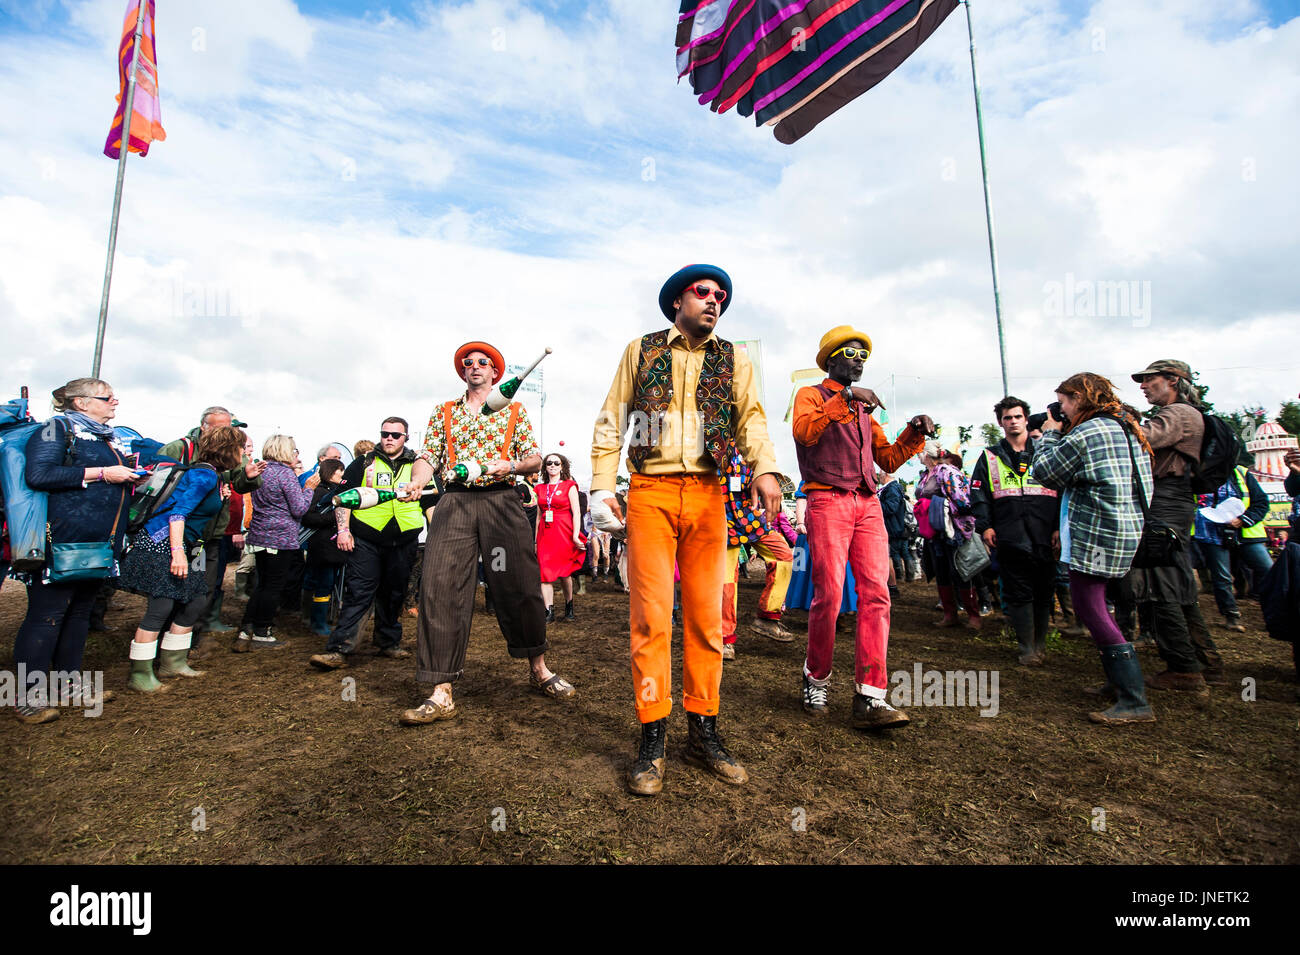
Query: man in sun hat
[[688, 398], [480, 517], [840, 446]]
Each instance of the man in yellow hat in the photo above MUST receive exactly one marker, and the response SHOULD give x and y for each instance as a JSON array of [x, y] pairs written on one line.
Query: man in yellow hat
[[840, 446], [481, 516]]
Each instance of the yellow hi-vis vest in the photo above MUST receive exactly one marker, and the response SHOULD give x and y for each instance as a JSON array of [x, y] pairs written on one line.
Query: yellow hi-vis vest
[[408, 513], [1255, 531], [1005, 481]]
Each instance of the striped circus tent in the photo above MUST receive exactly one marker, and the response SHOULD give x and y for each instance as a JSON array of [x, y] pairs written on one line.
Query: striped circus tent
[[792, 64]]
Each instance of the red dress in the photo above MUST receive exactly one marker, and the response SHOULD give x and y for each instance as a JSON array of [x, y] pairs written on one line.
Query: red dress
[[556, 555]]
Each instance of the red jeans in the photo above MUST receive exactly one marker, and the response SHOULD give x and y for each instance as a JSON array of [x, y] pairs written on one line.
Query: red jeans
[[849, 526]]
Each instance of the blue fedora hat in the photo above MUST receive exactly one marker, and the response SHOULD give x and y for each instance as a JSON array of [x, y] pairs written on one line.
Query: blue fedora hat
[[686, 276]]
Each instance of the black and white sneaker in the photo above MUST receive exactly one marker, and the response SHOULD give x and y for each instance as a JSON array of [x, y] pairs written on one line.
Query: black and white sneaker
[[816, 697], [268, 640]]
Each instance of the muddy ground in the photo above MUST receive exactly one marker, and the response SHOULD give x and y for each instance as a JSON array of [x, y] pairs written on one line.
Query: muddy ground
[[263, 760]]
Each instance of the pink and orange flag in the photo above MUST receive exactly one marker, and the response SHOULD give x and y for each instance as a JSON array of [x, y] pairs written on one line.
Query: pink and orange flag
[[146, 113]]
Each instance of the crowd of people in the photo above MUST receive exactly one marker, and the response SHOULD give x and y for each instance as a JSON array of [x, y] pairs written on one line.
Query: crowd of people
[[1088, 510]]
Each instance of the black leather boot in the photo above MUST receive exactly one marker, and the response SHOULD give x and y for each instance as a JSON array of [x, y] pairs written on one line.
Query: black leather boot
[[646, 775], [704, 749], [568, 610]]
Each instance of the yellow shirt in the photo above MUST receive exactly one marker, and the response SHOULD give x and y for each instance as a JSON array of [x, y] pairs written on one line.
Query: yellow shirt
[[679, 448]]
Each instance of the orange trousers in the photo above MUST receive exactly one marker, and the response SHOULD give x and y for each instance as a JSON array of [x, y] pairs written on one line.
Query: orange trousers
[[680, 518]]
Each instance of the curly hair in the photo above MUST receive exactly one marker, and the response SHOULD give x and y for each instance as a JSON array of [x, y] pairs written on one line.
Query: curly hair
[[1096, 397], [564, 465], [223, 448]]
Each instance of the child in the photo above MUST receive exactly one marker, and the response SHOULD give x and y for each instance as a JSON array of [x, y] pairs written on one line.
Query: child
[[324, 559]]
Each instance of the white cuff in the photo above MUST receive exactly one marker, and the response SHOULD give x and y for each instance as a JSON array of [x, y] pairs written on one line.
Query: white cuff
[[873, 691], [601, 495], [177, 641], [144, 651]]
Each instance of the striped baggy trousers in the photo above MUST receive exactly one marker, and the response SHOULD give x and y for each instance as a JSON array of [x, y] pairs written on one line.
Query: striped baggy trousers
[[466, 525]]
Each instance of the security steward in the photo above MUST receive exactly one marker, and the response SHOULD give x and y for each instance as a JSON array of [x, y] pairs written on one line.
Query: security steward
[[382, 541], [1018, 519]]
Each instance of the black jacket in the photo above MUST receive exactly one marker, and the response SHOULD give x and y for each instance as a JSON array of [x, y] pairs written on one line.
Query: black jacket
[[1023, 522], [322, 548]]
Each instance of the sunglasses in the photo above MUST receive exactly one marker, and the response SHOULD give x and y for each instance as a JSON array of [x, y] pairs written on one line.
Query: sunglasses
[[703, 292], [862, 353], [481, 362], [392, 434], [110, 399], [554, 464]]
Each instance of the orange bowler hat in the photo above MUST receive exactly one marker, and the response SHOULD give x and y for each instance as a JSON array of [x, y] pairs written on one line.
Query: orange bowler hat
[[499, 363]]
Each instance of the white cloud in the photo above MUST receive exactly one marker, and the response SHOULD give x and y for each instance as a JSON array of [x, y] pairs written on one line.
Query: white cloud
[[341, 202]]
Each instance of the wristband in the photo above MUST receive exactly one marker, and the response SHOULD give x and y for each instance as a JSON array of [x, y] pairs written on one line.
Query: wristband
[[178, 547], [512, 466], [101, 474]]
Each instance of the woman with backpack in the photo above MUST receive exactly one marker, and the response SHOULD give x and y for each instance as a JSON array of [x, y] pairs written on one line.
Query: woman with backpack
[[278, 507], [1100, 460], [165, 562], [947, 488], [77, 460]]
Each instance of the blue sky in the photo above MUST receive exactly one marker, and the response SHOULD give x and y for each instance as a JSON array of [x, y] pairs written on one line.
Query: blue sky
[[531, 171]]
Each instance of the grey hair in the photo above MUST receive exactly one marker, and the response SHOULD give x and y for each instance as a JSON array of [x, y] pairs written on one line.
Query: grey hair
[[61, 398], [1187, 393], [324, 450], [215, 409]]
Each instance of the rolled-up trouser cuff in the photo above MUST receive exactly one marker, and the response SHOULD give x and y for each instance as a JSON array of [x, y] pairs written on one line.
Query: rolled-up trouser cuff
[[654, 711], [703, 707], [527, 653], [434, 677]]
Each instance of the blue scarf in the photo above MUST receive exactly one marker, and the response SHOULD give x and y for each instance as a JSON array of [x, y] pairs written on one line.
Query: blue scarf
[[79, 420]]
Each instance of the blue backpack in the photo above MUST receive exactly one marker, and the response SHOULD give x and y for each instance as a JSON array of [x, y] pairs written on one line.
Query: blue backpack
[[24, 509]]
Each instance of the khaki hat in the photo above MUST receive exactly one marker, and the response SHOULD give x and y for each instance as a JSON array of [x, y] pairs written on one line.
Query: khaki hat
[[835, 338], [1165, 366]]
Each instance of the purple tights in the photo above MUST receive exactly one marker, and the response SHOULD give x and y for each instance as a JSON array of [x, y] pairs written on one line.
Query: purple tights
[[1088, 593]]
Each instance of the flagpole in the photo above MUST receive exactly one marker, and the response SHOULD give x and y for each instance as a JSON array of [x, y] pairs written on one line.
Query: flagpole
[[988, 201], [117, 195]]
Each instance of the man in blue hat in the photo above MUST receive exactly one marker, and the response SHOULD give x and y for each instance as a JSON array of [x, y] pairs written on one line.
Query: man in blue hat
[[688, 398]]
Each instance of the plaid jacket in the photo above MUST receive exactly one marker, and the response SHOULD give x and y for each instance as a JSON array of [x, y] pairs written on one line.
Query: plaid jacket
[[1092, 465]]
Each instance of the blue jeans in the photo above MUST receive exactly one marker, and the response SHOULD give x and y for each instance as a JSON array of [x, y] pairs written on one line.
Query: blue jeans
[[53, 634], [1218, 559]]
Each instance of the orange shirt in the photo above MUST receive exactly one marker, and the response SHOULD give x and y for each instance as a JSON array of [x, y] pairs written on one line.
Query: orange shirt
[[812, 415]]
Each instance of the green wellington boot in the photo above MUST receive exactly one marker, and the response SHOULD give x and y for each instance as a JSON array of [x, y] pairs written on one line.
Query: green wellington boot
[[173, 658], [142, 678]]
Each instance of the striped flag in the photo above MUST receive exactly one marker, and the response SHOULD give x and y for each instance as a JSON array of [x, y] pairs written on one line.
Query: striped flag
[[146, 114], [791, 63]]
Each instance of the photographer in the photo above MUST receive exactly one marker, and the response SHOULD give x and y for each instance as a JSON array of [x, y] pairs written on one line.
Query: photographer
[[1089, 457], [1175, 433]]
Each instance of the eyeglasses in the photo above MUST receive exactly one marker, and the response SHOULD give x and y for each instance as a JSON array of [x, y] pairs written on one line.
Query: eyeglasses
[[111, 399], [554, 464], [703, 292], [392, 434], [849, 352], [471, 362]]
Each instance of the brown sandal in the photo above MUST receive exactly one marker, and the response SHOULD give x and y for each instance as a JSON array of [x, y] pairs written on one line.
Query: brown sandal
[[557, 688]]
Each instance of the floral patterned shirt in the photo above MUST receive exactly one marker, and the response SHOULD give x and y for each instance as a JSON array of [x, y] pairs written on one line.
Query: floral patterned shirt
[[476, 437]]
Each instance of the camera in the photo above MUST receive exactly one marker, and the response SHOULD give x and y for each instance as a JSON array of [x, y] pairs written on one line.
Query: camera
[[1057, 413], [1036, 421]]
